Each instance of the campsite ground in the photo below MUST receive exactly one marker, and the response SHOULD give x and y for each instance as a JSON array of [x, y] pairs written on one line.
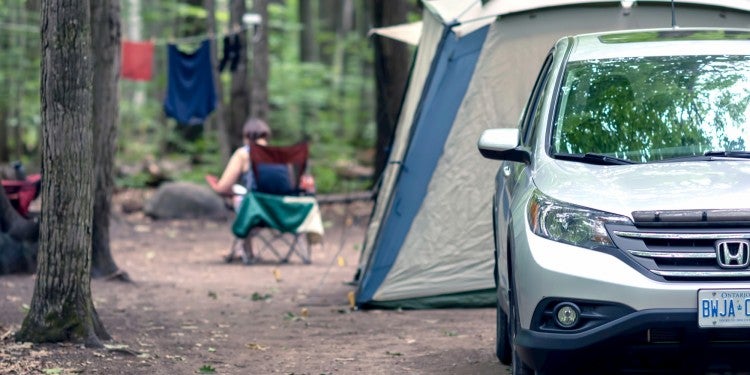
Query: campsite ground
[[188, 312]]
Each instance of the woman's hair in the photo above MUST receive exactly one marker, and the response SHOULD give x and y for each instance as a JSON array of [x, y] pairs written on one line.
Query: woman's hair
[[255, 129]]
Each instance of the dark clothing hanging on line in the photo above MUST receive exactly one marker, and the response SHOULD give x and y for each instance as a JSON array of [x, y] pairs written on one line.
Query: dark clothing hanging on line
[[191, 95], [232, 48]]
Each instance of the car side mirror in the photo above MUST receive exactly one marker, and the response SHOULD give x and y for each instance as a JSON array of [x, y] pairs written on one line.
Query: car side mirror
[[502, 144]]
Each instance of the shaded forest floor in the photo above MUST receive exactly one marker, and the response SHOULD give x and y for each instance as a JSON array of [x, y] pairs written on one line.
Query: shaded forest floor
[[187, 311]]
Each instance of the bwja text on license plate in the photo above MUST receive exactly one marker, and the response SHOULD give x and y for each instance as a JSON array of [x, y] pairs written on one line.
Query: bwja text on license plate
[[724, 308]]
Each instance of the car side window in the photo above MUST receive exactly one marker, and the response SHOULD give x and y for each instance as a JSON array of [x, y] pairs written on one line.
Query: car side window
[[531, 114]]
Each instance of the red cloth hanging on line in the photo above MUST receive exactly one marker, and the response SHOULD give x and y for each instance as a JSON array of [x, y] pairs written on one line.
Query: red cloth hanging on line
[[137, 60]]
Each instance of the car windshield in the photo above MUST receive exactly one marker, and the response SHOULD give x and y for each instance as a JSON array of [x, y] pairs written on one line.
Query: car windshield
[[649, 109]]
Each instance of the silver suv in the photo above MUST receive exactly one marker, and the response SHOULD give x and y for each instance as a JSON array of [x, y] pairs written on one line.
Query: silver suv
[[622, 207]]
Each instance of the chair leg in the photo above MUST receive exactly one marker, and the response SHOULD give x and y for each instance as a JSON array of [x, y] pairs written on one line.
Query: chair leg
[[247, 250], [269, 245], [301, 247], [232, 250]]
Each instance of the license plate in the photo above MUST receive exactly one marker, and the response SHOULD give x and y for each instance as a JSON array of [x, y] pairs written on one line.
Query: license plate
[[724, 308]]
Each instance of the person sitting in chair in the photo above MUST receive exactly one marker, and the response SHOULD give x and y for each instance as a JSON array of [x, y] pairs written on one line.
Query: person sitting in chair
[[237, 171]]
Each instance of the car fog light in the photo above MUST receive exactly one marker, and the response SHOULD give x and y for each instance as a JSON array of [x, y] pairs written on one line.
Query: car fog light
[[567, 314]]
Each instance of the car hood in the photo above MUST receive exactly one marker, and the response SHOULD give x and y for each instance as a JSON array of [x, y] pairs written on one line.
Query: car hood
[[622, 189]]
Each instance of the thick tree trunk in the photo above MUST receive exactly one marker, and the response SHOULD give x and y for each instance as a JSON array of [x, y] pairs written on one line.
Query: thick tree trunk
[[391, 74], [239, 100], [220, 128], [259, 107], [105, 33], [61, 307]]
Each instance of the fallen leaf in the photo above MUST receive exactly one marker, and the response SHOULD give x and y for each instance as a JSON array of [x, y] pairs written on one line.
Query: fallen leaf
[[255, 346], [142, 228], [341, 261], [304, 312], [350, 297], [277, 274]]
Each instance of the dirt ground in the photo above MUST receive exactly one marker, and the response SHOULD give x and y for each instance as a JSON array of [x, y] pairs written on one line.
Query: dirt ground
[[188, 312]]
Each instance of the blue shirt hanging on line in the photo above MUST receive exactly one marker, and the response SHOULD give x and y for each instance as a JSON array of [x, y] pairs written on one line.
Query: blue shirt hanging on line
[[191, 95]]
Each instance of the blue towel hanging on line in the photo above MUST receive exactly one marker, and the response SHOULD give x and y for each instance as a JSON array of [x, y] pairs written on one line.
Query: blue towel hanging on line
[[191, 95]]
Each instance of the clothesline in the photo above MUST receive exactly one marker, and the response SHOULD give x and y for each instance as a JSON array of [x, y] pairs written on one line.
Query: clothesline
[[157, 41], [196, 38]]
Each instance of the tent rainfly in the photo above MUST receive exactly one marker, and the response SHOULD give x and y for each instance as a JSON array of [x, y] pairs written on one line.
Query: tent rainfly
[[429, 242]]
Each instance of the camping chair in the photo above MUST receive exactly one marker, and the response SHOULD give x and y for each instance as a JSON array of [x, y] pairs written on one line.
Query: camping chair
[[278, 213], [21, 192]]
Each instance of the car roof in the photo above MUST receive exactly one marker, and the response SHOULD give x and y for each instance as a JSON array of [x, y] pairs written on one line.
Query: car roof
[[660, 42]]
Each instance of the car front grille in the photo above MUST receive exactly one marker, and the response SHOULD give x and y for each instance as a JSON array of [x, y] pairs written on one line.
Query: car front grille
[[684, 249]]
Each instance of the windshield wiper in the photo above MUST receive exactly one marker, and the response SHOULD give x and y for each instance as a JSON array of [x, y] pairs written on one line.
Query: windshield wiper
[[592, 158], [707, 156], [729, 154]]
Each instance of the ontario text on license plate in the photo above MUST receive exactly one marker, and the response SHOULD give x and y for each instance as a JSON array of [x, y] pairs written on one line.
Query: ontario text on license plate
[[724, 308]]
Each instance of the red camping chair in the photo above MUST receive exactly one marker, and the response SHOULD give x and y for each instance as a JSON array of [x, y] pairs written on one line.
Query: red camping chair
[[22, 192], [278, 212]]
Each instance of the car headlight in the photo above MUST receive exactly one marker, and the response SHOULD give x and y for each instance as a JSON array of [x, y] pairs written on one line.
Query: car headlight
[[574, 225]]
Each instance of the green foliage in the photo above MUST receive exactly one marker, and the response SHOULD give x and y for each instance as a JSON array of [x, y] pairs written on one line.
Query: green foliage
[[19, 77]]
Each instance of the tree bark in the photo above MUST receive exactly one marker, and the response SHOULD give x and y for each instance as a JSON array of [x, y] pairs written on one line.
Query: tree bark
[[259, 107], [61, 306], [308, 45], [105, 34], [239, 100], [391, 75]]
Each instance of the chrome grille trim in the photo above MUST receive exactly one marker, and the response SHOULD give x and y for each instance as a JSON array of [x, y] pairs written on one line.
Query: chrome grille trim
[[717, 274], [682, 236], [681, 255]]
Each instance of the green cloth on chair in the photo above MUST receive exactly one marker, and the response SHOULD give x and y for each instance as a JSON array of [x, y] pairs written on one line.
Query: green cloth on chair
[[290, 214]]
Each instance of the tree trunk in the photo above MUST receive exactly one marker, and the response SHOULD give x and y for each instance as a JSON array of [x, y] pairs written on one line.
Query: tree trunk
[[105, 33], [220, 128], [308, 45], [328, 21], [259, 82], [61, 307], [239, 101], [391, 75]]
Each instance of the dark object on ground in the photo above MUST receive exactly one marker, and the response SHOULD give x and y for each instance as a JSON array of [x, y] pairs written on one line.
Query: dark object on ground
[[185, 200], [17, 256]]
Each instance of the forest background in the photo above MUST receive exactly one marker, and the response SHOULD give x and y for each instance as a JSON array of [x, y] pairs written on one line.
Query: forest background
[[309, 68]]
